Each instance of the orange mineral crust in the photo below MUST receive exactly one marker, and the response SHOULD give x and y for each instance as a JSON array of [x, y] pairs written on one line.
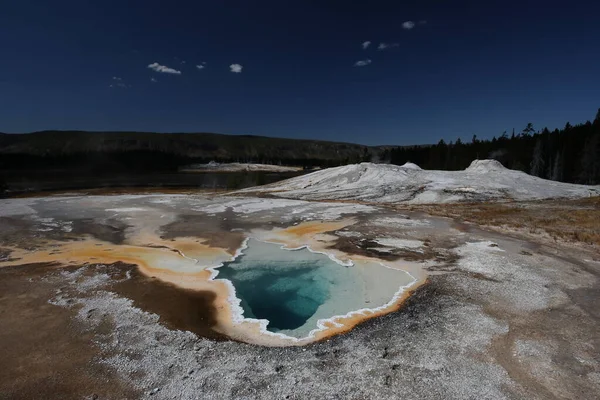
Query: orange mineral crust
[[187, 262]]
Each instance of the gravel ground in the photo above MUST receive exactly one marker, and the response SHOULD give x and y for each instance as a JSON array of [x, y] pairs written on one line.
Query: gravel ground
[[443, 344], [415, 354], [500, 317]]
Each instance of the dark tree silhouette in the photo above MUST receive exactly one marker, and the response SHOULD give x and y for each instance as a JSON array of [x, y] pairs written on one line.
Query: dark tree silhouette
[[571, 154]]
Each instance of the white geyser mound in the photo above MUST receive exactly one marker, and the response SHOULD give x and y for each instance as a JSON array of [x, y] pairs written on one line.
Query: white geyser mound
[[483, 180]]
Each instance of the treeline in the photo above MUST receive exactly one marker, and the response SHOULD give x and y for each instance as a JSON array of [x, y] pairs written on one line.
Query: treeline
[[570, 154], [147, 161], [58, 146]]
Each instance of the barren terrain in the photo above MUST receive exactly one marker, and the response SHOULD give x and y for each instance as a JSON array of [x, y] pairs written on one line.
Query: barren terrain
[[508, 310]]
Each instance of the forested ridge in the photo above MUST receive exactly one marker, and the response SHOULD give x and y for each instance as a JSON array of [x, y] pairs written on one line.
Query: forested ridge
[[145, 151], [570, 154]]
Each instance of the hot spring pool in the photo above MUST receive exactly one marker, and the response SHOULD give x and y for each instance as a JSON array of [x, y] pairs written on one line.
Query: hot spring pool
[[297, 290]]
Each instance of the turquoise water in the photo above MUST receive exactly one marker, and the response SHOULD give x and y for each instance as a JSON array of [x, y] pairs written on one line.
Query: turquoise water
[[293, 289], [284, 289]]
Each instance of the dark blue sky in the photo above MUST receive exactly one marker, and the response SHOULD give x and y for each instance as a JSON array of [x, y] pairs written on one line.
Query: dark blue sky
[[466, 67]]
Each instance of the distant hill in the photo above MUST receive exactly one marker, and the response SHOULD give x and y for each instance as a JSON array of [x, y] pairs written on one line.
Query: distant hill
[[193, 147], [570, 154]]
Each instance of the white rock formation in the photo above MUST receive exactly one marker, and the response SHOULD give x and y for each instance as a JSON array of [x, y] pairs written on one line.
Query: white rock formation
[[483, 180]]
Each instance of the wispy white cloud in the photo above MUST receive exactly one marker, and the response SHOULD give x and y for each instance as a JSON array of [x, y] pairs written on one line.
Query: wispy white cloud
[[164, 69], [236, 68], [384, 46], [153, 80], [408, 25], [202, 65], [362, 63], [118, 83], [366, 44]]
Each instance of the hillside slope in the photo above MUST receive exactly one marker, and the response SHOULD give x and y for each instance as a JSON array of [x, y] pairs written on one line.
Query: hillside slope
[[191, 145], [483, 180]]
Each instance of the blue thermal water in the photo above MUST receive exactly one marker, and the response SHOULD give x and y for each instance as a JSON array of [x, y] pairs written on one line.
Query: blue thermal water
[[293, 289], [284, 289]]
